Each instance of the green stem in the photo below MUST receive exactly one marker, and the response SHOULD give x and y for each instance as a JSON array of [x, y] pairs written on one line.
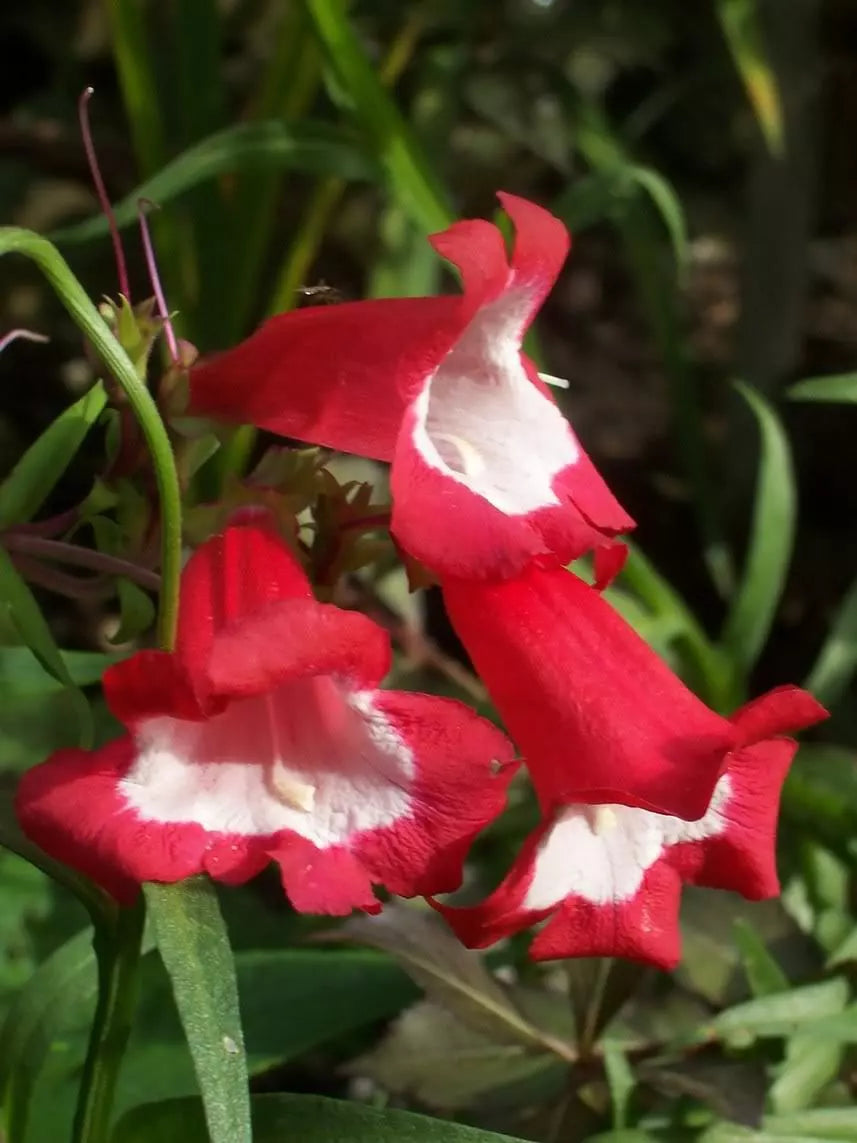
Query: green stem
[[118, 952], [74, 298], [716, 677]]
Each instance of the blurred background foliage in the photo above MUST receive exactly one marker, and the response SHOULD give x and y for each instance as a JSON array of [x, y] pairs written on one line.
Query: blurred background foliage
[[702, 155]]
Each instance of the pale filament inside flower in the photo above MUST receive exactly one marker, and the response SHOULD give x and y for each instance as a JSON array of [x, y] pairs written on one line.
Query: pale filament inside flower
[[285, 786], [482, 421], [602, 819], [466, 459]]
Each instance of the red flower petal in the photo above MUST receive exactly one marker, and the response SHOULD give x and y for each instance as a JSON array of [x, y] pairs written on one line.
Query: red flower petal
[[338, 376], [487, 446], [743, 856], [147, 685], [464, 767], [229, 578], [296, 639], [342, 790], [644, 928], [541, 246], [597, 714]]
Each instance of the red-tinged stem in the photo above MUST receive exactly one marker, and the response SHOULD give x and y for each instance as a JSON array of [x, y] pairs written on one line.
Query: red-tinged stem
[[89, 588], [72, 554], [101, 191], [49, 528], [21, 335], [148, 249]]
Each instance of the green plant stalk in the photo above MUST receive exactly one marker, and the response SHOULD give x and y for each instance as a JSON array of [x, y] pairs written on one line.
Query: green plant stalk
[[88, 319], [118, 952], [328, 193], [411, 178], [718, 680]]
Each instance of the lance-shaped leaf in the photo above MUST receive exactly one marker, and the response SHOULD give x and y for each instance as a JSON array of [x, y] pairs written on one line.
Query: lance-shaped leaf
[[451, 975], [35, 475], [271, 144], [194, 946]]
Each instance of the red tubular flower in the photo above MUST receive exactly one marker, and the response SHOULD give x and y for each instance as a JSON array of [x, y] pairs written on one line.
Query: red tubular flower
[[264, 737], [609, 877], [598, 716], [439, 386]]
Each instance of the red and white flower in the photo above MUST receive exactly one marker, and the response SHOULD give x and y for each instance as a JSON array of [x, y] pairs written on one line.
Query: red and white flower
[[597, 715], [264, 737], [487, 473], [607, 879]]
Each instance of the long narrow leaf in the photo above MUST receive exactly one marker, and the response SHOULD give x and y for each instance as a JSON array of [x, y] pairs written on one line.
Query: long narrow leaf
[[307, 146], [771, 539], [837, 660], [23, 610], [841, 387], [38, 471], [194, 946], [411, 178], [284, 1118], [742, 26]]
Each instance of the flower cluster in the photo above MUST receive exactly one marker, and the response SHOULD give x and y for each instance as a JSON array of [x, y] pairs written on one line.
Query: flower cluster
[[266, 737]]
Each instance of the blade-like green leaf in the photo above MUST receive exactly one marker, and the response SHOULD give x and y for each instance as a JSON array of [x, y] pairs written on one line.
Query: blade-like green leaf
[[666, 201], [742, 27], [68, 978], [302, 1119], [35, 475], [97, 904], [764, 975], [784, 1013], [821, 1122], [307, 146], [771, 538], [820, 794], [810, 1065], [411, 178], [836, 662], [839, 388], [456, 977], [194, 946], [20, 605]]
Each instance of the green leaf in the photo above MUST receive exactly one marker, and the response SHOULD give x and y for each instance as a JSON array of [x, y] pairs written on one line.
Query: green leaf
[[809, 1066], [35, 475], [771, 538], [431, 1056], [38, 714], [194, 946], [20, 605], [822, 1123], [302, 1119], [308, 146], [136, 609], [666, 202], [820, 794], [783, 1013], [410, 175], [837, 660], [764, 975], [621, 1081], [64, 984], [841, 387], [732, 1133], [454, 976], [94, 900], [742, 26]]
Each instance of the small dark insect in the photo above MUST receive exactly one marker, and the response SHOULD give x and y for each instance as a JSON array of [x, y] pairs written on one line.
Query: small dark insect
[[321, 295]]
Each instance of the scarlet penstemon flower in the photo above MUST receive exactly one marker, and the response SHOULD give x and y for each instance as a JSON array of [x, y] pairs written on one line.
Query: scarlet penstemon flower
[[487, 473], [264, 737]]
